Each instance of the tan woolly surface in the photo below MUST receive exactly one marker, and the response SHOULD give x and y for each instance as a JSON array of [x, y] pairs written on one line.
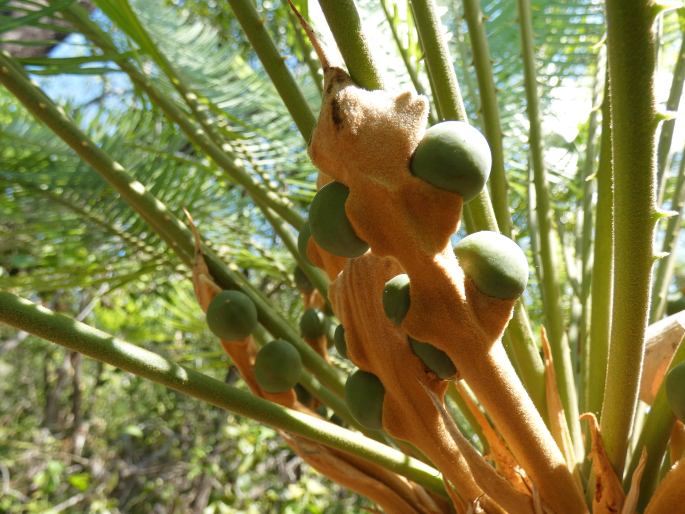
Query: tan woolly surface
[[364, 139], [331, 264]]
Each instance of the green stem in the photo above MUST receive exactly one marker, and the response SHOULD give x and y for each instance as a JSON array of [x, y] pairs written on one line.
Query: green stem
[[601, 289], [654, 437], [491, 117], [411, 70], [343, 20], [253, 26], [550, 284], [78, 337], [631, 46], [155, 213], [665, 267], [586, 237], [306, 49], [668, 126]]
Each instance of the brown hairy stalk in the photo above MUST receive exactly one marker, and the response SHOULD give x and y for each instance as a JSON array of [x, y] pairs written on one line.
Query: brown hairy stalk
[[609, 496], [408, 224]]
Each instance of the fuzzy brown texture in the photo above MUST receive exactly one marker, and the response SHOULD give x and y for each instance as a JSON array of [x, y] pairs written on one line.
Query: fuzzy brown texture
[[365, 139], [331, 264], [608, 496], [669, 497]]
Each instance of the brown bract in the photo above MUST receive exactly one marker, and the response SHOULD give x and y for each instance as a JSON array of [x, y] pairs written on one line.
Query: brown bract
[[365, 140]]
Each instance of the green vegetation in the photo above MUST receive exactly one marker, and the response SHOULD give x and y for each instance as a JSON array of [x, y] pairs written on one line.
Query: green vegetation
[[675, 390]]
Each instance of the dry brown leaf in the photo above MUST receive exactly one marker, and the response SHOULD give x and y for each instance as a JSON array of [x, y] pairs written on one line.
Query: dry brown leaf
[[492, 483], [204, 286], [670, 493], [630, 505], [663, 338], [609, 496], [555, 410], [504, 461]]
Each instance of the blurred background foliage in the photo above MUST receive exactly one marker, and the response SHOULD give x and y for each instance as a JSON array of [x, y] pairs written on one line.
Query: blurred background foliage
[[78, 436]]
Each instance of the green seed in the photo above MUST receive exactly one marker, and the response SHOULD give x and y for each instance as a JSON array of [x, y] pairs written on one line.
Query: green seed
[[396, 298], [496, 264], [435, 359], [453, 156], [675, 390], [303, 396], [231, 315], [302, 281], [329, 224], [312, 324], [339, 341], [278, 366], [364, 395]]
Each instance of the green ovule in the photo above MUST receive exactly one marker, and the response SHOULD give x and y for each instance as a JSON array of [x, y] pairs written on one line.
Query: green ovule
[[231, 315], [303, 240], [302, 281], [455, 157], [278, 366], [497, 266], [303, 396], [339, 341], [329, 223], [434, 359], [675, 390], [313, 324], [396, 298], [364, 395]]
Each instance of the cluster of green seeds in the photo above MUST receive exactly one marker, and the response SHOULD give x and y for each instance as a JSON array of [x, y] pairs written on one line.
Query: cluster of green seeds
[[232, 316]]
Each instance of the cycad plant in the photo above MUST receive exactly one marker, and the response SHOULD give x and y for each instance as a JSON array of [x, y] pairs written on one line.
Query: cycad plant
[[456, 405]]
